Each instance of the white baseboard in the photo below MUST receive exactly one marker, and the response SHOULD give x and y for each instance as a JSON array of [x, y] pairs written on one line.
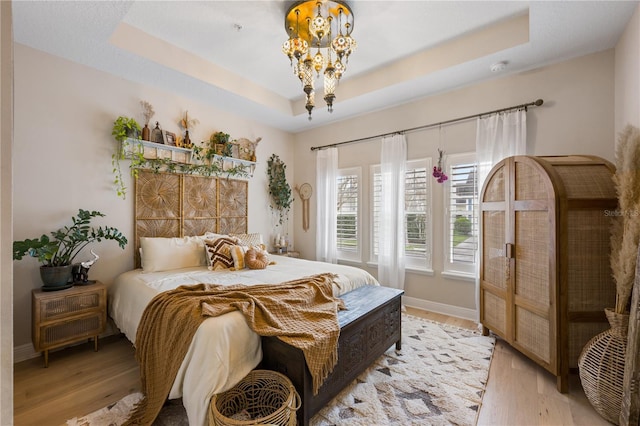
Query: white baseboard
[[441, 308], [24, 352]]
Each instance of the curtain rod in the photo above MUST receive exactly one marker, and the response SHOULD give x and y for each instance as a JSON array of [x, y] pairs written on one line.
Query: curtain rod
[[537, 102]]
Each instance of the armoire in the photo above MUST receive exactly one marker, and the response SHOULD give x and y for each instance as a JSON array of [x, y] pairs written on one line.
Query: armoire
[[545, 275]]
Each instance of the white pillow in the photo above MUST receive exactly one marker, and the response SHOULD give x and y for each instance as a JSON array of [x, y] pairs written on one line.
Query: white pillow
[[254, 239], [163, 254]]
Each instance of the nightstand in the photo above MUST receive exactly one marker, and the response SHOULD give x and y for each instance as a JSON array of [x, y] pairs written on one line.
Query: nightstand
[[67, 316]]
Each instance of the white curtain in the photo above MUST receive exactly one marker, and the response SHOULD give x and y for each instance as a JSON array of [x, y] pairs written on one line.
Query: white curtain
[[393, 166], [327, 204], [498, 136]]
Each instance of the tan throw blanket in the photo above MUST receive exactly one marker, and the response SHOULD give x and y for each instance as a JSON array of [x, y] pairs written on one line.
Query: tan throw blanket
[[302, 313]]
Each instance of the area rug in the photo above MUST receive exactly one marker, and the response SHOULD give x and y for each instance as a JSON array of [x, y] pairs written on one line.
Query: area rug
[[438, 378]]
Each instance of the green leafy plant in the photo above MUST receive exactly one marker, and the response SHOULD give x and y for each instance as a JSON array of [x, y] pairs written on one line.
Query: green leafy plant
[[64, 244], [123, 128], [220, 142], [279, 189]]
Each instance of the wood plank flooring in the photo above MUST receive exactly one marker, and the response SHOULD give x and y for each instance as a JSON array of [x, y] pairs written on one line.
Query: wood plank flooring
[[80, 381]]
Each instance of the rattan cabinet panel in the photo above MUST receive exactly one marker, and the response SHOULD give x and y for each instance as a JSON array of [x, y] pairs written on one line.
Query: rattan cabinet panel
[[68, 316], [545, 277]]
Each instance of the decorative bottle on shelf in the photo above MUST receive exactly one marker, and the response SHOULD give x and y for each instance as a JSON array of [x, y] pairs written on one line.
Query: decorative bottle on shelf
[[187, 140], [146, 132]]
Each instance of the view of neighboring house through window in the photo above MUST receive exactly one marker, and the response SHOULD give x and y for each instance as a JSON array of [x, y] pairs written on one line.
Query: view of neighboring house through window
[[348, 235], [417, 214], [461, 239]]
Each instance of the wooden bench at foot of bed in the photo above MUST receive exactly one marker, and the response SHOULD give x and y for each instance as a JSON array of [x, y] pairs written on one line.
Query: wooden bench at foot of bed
[[369, 326]]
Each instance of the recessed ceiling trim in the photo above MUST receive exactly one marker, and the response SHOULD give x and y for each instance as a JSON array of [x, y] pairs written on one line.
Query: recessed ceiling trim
[[138, 42], [487, 41]]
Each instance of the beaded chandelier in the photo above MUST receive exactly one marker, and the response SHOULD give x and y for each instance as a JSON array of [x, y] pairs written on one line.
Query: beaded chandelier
[[319, 42]]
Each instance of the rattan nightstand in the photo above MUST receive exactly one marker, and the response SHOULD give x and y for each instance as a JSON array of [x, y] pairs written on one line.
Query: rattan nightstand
[[67, 316]]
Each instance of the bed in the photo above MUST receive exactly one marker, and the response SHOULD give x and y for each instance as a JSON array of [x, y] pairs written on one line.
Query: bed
[[224, 349]]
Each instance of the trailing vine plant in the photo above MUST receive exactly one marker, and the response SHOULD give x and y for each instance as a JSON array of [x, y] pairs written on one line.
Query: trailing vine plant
[[123, 128], [279, 189]]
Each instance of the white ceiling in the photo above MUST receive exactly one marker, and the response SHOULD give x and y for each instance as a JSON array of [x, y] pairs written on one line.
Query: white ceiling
[[227, 53]]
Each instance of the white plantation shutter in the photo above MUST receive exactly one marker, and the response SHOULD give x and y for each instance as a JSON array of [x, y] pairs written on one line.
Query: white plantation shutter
[[461, 201], [417, 213], [348, 238]]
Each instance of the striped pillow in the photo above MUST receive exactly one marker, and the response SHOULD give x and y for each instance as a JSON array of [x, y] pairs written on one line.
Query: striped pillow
[[237, 254], [219, 253]]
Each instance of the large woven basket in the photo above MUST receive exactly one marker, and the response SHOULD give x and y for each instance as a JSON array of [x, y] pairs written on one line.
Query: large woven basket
[[601, 367], [263, 397]]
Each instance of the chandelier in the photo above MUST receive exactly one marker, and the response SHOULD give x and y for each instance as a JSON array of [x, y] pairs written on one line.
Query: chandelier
[[319, 43]]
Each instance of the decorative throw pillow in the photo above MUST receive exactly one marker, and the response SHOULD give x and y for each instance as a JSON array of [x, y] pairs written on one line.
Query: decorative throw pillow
[[163, 254], [237, 254], [256, 259], [249, 240], [219, 253]]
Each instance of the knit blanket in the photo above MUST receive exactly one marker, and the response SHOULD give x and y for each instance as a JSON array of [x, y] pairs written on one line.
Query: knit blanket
[[302, 313]]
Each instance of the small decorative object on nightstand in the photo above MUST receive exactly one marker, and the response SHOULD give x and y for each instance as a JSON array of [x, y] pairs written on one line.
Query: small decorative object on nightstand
[[68, 316]]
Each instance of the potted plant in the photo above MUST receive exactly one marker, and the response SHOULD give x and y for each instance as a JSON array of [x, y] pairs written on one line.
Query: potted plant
[[56, 253], [219, 142], [279, 189], [123, 128]]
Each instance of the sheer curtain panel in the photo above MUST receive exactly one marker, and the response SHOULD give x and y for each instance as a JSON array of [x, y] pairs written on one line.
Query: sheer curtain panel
[[498, 136], [327, 204], [391, 226]]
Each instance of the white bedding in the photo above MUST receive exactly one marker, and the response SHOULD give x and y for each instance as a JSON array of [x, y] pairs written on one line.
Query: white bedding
[[224, 349]]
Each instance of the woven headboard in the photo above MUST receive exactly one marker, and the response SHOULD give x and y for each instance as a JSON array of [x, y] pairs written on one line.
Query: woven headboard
[[177, 205]]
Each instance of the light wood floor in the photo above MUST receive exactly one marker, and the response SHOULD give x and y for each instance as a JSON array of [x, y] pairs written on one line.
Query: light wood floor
[[80, 381]]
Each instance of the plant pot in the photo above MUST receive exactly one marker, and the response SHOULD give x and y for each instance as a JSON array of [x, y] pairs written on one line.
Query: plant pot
[[56, 277], [601, 367]]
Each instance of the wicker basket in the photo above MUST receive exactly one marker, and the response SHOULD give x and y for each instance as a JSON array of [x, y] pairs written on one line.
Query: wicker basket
[[601, 367], [262, 397]]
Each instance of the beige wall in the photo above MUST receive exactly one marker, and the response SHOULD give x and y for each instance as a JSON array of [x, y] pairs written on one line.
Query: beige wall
[[63, 120], [6, 271], [62, 158], [627, 76], [576, 118]]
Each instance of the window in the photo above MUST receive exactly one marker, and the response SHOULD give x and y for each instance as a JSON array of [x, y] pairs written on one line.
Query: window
[[461, 219], [348, 235], [417, 213]]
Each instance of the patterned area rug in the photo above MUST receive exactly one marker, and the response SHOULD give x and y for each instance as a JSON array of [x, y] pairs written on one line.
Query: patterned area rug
[[438, 378]]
